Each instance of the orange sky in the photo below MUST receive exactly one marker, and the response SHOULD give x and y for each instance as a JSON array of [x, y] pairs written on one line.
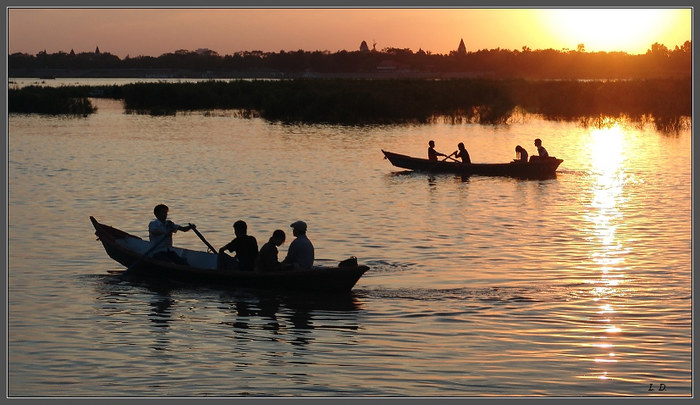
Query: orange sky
[[153, 32]]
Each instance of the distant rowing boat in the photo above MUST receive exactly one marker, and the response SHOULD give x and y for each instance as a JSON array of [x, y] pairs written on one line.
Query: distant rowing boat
[[202, 268], [535, 168]]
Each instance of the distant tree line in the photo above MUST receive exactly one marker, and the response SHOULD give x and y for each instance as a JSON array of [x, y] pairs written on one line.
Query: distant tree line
[[658, 62]]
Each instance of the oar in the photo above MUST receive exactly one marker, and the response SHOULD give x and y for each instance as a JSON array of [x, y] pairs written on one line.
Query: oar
[[448, 157], [203, 240], [151, 249]]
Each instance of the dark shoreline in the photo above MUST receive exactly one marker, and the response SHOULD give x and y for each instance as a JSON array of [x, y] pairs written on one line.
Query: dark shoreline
[[271, 74], [658, 62]]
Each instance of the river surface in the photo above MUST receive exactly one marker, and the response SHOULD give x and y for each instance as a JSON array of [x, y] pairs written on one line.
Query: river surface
[[577, 286]]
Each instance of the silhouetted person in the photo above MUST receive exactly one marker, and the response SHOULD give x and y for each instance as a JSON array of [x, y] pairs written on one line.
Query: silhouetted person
[[432, 153], [267, 259], [245, 246], [160, 231], [520, 154], [300, 254], [541, 151], [462, 153]]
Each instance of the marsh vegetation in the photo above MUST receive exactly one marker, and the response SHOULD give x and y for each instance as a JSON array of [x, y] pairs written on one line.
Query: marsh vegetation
[[71, 100], [664, 102]]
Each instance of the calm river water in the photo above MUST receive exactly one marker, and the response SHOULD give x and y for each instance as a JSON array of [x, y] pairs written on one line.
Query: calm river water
[[573, 286]]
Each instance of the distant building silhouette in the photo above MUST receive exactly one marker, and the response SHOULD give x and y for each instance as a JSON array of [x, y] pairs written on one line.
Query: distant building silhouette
[[461, 49], [364, 47], [97, 50]]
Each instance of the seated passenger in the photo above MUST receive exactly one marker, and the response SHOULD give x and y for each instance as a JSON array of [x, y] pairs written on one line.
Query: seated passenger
[[541, 151], [245, 246], [267, 259], [300, 254], [520, 154]]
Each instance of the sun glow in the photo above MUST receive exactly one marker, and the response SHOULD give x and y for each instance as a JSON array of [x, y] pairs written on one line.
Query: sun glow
[[153, 32], [607, 147], [610, 30]]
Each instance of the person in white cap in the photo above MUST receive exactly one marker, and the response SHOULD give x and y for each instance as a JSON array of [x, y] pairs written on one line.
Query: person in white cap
[[301, 251]]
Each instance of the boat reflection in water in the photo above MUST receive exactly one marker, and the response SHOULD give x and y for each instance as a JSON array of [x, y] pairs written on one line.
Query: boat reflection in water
[[251, 314]]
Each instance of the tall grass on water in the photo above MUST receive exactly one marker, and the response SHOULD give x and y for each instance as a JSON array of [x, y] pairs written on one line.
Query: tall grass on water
[[71, 100], [666, 103], [336, 101], [663, 102]]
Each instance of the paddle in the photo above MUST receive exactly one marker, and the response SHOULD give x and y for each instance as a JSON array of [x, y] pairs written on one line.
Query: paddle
[[203, 240], [151, 249], [449, 157]]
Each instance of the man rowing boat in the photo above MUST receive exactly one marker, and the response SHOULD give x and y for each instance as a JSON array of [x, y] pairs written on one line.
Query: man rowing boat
[[432, 153], [461, 152], [160, 234]]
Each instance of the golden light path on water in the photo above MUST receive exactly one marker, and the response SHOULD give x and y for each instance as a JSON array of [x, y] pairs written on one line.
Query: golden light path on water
[[607, 149]]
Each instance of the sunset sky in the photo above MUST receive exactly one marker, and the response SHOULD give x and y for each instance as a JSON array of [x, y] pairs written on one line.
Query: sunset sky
[[153, 32]]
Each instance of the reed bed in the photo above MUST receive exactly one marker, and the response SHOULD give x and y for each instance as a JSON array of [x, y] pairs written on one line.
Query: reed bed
[[70, 100], [665, 102]]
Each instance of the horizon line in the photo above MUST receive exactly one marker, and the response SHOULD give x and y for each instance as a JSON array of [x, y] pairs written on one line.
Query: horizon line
[[428, 52]]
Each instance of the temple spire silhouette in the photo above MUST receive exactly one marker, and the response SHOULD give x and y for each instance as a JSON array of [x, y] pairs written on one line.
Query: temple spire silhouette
[[461, 49]]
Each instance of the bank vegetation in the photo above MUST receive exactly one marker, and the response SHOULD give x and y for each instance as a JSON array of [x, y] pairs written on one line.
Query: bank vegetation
[[665, 102]]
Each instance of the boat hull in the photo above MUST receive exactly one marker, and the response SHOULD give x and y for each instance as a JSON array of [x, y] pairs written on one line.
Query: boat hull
[[122, 247], [536, 168]]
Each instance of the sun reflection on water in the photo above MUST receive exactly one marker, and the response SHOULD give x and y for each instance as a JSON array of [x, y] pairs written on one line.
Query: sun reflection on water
[[607, 250]]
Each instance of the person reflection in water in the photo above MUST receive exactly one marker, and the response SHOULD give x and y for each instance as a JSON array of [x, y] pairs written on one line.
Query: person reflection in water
[[160, 235], [267, 259], [520, 154], [245, 246], [432, 153], [462, 153]]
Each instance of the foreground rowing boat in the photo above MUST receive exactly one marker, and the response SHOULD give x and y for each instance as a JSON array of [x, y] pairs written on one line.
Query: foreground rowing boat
[[535, 168], [201, 268]]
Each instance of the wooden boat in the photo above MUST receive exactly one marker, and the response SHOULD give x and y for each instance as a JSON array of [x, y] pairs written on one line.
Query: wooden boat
[[202, 268], [535, 168]]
